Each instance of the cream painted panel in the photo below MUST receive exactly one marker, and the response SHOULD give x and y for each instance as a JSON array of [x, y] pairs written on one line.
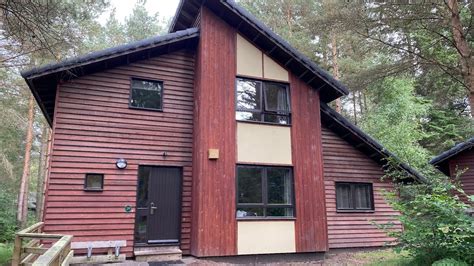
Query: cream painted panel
[[249, 59], [257, 143], [265, 237], [272, 70]]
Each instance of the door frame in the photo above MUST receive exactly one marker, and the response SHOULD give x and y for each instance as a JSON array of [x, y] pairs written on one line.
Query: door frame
[[181, 168]]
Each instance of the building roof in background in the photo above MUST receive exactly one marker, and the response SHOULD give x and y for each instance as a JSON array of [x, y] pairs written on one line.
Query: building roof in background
[[442, 160]]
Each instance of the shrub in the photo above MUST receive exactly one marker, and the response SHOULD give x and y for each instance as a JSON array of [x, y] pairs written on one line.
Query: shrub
[[436, 225], [449, 262], [7, 211]]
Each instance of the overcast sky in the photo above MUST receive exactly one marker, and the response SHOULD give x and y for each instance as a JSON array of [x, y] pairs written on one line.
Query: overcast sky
[[166, 8]]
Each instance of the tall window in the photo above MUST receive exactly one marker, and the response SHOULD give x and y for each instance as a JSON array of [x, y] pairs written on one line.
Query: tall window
[[146, 94], [262, 101], [264, 192], [354, 196]]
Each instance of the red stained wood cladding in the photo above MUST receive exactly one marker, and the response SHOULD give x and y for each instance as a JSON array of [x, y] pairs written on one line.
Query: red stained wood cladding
[[464, 162], [310, 225], [214, 225], [93, 127], [342, 162]]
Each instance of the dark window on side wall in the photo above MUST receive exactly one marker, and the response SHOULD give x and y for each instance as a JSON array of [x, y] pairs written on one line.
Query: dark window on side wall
[[146, 94], [94, 182], [354, 196], [262, 101], [264, 192]]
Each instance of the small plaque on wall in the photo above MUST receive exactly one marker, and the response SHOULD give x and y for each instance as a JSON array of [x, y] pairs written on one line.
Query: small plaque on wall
[[213, 154]]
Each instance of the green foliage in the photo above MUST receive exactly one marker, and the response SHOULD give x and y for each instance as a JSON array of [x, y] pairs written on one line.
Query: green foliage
[[7, 211], [6, 251], [449, 262], [435, 223], [396, 118]]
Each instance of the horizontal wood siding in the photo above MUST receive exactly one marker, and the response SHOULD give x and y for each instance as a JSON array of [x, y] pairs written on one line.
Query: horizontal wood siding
[[342, 162], [310, 225], [214, 224], [464, 162], [94, 127]]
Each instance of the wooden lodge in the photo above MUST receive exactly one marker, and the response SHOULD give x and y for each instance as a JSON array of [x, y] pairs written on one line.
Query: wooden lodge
[[458, 162], [215, 139]]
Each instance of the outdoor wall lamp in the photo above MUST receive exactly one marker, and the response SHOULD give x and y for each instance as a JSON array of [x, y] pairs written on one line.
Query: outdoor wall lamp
[[121, 163]]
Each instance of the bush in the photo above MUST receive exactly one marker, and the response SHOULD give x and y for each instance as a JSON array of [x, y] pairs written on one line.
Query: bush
[[7, 211], [435, 222], [449, 262]]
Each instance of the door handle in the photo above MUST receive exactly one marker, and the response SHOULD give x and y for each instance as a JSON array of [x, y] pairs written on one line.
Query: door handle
[[152, 208]]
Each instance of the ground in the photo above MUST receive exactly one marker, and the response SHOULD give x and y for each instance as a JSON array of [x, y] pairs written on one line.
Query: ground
[[351, 257]]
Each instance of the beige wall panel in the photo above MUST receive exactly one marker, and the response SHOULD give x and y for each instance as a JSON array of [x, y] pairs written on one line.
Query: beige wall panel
[[249, 59], [265, 237], [272, 70], [257, 143]]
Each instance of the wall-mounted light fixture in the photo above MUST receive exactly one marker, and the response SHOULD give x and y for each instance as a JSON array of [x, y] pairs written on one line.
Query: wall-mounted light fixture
[[121, 163]]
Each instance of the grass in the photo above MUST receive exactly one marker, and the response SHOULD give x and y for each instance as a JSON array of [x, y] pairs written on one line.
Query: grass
[[5, 253], [385, 257]]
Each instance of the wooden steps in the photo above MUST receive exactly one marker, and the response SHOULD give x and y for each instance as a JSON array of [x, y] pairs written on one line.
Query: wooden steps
[[158, 254]]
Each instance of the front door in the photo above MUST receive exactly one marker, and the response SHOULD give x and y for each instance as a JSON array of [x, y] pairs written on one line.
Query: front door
[[158, 211]]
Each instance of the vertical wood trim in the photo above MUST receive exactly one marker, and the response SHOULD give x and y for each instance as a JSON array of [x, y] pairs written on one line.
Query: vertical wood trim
[[310, 225], [51, 153], [214, 223]]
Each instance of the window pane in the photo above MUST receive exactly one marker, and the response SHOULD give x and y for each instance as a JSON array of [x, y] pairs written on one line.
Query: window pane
[[277, 119], [276, 98], [249, 94], [249, 212], [143, 178], [94, 181], [250, 185], [248, 116], [343, 196], [140, 232], [280, 212], [362, 196], [279, 186], [146, 94]]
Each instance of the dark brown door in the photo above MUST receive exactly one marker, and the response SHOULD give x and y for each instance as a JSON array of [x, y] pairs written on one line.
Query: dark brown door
[[158, 212]]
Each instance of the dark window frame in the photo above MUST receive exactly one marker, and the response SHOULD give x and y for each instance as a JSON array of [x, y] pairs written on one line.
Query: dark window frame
[[86, 188], [263, 102], [145, 108], [264, 205], [353, 197]]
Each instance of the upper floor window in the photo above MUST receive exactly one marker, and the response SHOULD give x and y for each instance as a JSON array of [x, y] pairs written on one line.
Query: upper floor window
[[146, 94], [262, 101], [264, 192], [354, 196]]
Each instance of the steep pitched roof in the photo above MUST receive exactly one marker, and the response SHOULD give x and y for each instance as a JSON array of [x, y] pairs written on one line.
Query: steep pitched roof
[[265, 39], [361, 141], [43, 80], [442, 160]]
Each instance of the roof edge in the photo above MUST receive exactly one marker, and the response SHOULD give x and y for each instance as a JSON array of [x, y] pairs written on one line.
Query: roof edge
[[455, 150], [108, 53]]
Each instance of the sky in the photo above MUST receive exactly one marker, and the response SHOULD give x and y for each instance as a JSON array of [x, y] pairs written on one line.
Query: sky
[[166, 8]]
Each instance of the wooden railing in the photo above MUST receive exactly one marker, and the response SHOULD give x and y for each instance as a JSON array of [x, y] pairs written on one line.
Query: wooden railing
[[35, 253]]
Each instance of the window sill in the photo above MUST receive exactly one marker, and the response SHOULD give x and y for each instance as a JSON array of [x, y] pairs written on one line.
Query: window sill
[[145, 109], [355, 211], [263, 123], [93, 189], [250, 219]]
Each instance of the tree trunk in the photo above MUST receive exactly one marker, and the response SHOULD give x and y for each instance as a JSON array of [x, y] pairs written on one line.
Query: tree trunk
[[462, 46], [335, 68], [42, 173], [22, 212]]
